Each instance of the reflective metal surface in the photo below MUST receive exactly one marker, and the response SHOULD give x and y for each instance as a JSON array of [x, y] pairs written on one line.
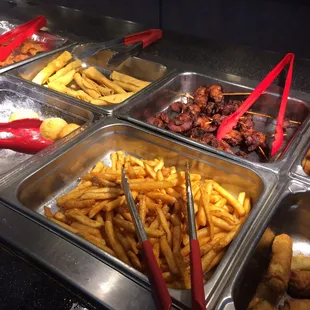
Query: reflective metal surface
[[158, 99], [14, 96], [137, 67], [41, 186]]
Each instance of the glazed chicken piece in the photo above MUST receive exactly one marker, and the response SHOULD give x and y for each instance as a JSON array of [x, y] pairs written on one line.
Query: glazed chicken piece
[[181, 123], [215, 92], [201, 96], [233, 138], [254, 139]]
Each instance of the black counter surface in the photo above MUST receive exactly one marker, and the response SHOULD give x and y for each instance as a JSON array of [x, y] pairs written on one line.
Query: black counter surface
[[23, 286]]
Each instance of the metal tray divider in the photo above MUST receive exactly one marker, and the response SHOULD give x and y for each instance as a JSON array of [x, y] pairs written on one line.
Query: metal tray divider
[[280, 165], [269, 179]]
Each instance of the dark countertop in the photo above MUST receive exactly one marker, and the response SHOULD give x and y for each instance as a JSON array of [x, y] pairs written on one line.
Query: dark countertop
[[24, 287]]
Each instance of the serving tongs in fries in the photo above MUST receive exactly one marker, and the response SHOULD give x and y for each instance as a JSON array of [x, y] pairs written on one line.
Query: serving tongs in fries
[[198, 295], [134, 42], [16, 37], [23, 136], [231, 121], [158, 285]]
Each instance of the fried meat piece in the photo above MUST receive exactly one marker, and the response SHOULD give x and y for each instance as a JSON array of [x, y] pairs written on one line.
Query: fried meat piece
[[299, 284]]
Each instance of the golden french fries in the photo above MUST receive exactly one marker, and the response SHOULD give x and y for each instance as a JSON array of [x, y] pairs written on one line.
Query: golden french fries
[[97, 210]]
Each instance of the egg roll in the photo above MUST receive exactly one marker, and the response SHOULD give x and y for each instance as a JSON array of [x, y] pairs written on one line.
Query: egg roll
[[87, 87], [296, 304], [104, 91], [265, 243], [66, 78], [116, 76], [94, 74], [300, 262], [128, 87], [115, 99], [74, 65], [299, 284], [79, 94], [279, 269], [52, 67]]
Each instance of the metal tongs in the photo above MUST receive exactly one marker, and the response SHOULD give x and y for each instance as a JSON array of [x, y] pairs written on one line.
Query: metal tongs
[[158, 285], [198, 294], [15, 37], [23, 136], [231, 121]]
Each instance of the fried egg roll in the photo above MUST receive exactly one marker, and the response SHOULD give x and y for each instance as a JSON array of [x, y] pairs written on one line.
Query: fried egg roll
[[128, 87], [265, 242], [296, 304], [299, 284], [87, 87], [115, 99], [104, 91], [66, 78], [94, 74], [52, 67], [74, 65], [279, 269], [116, 76]]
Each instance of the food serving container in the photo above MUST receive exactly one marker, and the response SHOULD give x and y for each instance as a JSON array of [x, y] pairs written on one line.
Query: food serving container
[[139, 68], [40, 187], [54, 42], [16, 95], [290, 215], [157, 99]]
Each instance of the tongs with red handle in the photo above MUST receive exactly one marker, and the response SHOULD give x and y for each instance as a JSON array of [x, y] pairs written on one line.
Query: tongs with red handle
[[231, 121], [23, 136], [198, 295], [146, 37], [158, 285], [18, 35]]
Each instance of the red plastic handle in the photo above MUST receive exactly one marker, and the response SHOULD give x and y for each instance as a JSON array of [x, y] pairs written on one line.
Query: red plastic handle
[[230, 121], [159, 287], [21, 123], [146, 37], [19, 35], [198, 294]]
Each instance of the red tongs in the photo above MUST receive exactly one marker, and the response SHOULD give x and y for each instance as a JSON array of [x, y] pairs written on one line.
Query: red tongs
[[231, 121], [159, 288], [15, 37], [23, 136], [198, 294]]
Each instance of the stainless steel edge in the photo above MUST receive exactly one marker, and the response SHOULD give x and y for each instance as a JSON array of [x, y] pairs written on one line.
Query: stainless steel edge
[[225, 299], [110, 109], [56, 148], [268, 178], [281, 164]]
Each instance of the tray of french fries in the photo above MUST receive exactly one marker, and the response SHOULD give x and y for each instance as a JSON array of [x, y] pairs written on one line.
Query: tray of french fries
[[80, 194], [91, 80]]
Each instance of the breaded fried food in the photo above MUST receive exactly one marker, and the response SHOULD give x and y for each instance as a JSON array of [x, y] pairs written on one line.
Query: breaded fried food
[[299, 284], [279, 269], [300, 262], [264, 298], [265, 242], [296, 304]]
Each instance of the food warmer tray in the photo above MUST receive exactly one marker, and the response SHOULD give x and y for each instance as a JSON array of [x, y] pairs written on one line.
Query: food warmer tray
[[140, 68], [189, 77], [15, 95], [59, 172], [68, 42]]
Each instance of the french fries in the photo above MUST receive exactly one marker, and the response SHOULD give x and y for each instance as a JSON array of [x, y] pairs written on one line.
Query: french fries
[[97, 211]]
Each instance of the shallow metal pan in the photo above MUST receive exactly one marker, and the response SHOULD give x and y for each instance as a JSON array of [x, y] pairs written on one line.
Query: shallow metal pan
[[290, 215], [166, 92], [140, 68], [41, 186], [68, 42], [15, 95]]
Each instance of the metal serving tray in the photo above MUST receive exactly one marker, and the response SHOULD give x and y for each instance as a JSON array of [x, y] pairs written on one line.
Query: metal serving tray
[[68, 42], [291, 216], [134, 66], [42, 185], [15, 95], [159, 98]]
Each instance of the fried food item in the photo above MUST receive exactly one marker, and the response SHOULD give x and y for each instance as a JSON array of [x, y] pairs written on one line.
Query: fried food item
[[279, 269], [299, 284], [264, 298], [296, 304], [66, 130], [127, 87], [66, 78], [128, 81], [74, 65], [52, 67], [300, 262], [23, 113], [265, 242], [97, 210], [51, 127], [94, 74], [104, 91], [112, 99]]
